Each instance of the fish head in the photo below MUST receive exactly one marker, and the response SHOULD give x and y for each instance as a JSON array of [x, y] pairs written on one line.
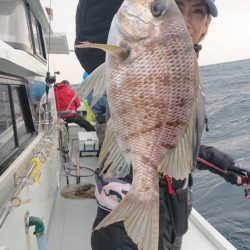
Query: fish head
[[149, 19]]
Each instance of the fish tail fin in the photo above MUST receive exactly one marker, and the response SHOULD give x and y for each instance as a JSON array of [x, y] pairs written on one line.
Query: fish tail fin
[[141, 219]]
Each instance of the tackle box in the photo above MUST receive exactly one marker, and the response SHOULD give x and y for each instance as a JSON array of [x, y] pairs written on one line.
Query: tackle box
[[88, 144]]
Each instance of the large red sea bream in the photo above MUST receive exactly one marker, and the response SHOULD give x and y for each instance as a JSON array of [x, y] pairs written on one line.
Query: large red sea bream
[[151, 81]]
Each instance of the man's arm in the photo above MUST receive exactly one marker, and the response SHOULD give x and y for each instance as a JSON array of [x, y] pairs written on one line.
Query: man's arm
[[211, 157]]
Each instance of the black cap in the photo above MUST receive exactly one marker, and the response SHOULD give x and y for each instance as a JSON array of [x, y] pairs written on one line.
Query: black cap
[[65, 82]]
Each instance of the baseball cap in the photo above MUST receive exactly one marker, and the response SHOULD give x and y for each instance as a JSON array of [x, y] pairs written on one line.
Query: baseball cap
[[65, 82], [212, 8]]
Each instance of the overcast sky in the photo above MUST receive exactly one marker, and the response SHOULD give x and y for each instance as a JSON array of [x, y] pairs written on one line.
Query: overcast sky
[[228, 38]]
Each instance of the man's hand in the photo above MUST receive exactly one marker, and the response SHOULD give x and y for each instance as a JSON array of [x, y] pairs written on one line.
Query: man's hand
[[233, 178], [224, 165], [237, 175]]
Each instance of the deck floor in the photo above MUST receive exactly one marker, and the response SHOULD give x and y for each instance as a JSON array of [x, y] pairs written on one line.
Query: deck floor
[[72, 219], [71, 224]]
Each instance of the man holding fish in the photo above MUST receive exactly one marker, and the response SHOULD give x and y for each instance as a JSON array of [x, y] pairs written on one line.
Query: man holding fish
[[157, 115]]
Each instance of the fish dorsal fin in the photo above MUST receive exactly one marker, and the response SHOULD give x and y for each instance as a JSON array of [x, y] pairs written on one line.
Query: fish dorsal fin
[[96, 83], [115, 161]]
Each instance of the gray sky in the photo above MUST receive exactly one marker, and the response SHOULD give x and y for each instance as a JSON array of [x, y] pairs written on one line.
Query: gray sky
[[228, 38]]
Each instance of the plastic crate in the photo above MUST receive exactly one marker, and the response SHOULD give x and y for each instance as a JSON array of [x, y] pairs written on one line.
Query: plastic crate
[[88, 144]]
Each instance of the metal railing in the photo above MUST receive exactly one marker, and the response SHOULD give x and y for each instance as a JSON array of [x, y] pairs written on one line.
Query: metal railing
[[15, 201]]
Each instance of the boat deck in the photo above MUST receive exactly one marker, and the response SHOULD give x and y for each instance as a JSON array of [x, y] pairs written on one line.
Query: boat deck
[[72, 219], [71, 223]]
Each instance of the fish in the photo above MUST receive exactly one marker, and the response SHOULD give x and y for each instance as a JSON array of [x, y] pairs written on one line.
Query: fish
[[151, 79]]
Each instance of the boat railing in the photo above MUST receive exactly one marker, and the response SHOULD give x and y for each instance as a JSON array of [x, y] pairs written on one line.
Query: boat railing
[[14, 200]]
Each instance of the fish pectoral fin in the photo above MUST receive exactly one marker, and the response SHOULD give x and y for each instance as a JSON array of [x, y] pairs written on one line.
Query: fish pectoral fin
[[115, 161], [178, 161], [120, 52], [96, 83], [141, 219]]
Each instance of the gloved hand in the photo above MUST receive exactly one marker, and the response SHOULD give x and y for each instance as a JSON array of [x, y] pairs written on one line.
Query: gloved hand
[[233, 178], [237, 174], [224, 165]]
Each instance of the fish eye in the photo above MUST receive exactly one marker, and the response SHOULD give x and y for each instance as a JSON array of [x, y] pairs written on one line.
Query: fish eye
[[159, 8]]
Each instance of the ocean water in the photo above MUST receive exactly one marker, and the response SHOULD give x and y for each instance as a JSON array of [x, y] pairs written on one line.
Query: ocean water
[[227, 89]]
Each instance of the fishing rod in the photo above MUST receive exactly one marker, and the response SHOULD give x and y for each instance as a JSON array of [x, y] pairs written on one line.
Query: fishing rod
[[244, 171], [50, 79]]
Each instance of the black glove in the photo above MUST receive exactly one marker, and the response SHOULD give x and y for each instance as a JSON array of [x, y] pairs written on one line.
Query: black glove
[[230, 169], [231, 177], [233, 172]]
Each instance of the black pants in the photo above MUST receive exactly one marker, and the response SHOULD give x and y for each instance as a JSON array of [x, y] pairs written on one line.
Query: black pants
[[114, 237], [78, 119]]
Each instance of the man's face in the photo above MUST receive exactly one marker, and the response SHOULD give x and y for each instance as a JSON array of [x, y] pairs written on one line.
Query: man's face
[[196, 17]]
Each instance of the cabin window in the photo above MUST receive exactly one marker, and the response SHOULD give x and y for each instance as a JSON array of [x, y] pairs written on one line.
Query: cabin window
[[16, 124], [39, 45], [14, 25], [20, 28]]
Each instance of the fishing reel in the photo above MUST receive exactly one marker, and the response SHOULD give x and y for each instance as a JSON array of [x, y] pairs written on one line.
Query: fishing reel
[[245, 179], [50, 79], [247, 193], [245, 183]]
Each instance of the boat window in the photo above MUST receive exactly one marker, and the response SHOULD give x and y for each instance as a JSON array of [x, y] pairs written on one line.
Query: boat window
[[7, 142], [20, 28], [16, 125], [14, 25], [39, 48]]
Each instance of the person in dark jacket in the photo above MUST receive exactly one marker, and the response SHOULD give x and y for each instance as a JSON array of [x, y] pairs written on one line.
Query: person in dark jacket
[[67, 103], [93, 20]]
